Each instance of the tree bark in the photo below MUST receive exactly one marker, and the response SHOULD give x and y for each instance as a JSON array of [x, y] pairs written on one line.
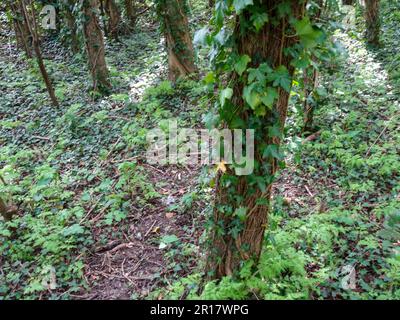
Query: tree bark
[[372, 22], [177, 37], [114, 19], [130, 12], [5, 211], [33, 30], [95, 48], [310, 82], [22, 33], [71, 23], [229, 250]]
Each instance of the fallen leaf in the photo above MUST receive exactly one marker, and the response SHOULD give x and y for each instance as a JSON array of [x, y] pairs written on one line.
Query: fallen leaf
[[170, 215]]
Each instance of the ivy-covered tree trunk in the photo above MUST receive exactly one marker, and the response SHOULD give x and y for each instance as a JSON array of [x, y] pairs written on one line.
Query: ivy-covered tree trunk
[[95, 47], [21, 29], [242, 202], [372, 22], [114, 19], [174, 21]]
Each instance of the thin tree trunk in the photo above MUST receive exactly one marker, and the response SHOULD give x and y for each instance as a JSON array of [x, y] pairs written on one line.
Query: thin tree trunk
[[103, 17], [177, 37], [130, 13], [21, 29], [114, 19], [372, 22], [35, 41], [231, 246], [310, 84], [95, 48], [71, 22]]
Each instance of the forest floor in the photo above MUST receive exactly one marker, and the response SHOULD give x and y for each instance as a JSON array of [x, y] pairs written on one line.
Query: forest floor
[[96, 221]]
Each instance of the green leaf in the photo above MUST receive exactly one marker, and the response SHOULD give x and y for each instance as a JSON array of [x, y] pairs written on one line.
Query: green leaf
[[167, 239], [272, 151], [259, 19], [307, 33], [269, 99], [224, 95], [241, 213], [241, 64], [72, 230], [241, 4], [251, 96], [210, 78], [281, 77]]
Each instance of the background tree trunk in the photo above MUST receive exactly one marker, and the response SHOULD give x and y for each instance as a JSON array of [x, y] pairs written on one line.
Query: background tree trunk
[[372, 22], [95, 48], [33, 30], [71, 22], [227, 251], [177, 37], [22, 33], [114, 19], [130, 12]]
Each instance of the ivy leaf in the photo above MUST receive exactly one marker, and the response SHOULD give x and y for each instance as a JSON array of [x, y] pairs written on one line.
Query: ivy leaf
[[209, 78], [251, 96], [241, 213], [272, 151], [281, 77], [259, 19], [307, 33], [269, 99], [241, 4], [225, 94], [241, 64], [72, 230], [169, 239]]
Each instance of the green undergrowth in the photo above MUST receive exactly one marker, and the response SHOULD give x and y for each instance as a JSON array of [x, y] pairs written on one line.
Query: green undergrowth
[[73, 169]]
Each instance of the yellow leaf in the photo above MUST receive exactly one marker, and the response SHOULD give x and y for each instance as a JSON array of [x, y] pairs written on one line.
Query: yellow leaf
[[156, 230], [221, 166]]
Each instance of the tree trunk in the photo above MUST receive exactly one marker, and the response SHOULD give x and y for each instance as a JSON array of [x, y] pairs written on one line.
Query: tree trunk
[[372, 22], [33, 30], [230, 245], [114, 19], [349, 2], [95, 48], [310, 84], [71, 23], [177, 37], [21, 28], [130, 13]]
